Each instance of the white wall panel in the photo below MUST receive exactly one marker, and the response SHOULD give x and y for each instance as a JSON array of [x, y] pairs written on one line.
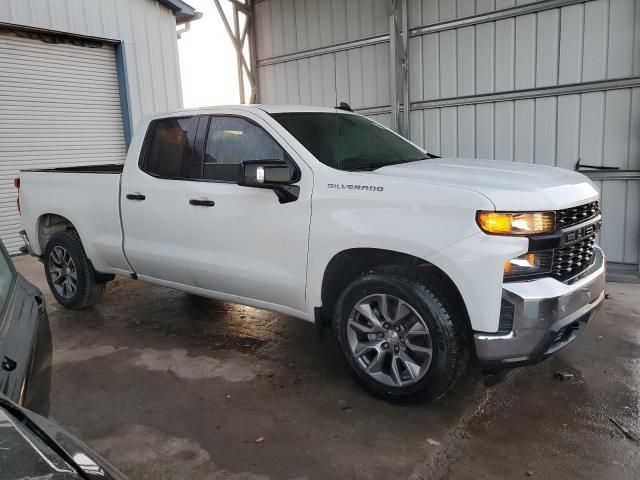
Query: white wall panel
[[525, 51], [548, 41], [430, 67], [432, 130], [505, 59], [448, 132], [466, 123], [465, 54], [546, 114], [568, 138], [596, 40], [485, 58], [448, 64], [572, 34], [485, 122], [504, 131]]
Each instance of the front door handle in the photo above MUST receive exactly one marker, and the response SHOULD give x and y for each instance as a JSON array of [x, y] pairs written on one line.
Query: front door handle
[[135, 196], [198, 202]]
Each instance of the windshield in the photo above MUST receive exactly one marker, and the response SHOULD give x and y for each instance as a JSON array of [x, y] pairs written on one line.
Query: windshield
[[348, 142]]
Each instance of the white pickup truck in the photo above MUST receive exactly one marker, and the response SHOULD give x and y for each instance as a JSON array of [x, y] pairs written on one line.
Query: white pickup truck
[[415, 263]]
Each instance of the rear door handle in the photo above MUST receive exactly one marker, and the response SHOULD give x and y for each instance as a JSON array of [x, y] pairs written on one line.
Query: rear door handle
[[135, 196], [40, 302], [8, 364], [202, 202]]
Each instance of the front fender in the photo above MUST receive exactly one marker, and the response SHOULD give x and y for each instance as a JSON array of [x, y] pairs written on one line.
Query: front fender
[[435, 223]]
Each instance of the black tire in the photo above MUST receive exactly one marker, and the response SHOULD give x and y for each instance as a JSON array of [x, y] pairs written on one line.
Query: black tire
[[88, 291], [445, 320]]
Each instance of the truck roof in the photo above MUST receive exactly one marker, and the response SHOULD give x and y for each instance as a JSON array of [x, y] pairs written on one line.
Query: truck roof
[[250, 108]]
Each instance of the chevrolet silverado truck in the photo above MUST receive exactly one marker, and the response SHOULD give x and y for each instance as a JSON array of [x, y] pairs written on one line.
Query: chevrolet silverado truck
[[415, 263]]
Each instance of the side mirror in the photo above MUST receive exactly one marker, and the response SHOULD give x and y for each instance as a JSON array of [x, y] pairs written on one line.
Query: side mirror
[[274, 175]]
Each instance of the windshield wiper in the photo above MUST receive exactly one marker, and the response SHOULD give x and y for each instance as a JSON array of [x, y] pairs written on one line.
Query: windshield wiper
[[374, 166], [366, 167]]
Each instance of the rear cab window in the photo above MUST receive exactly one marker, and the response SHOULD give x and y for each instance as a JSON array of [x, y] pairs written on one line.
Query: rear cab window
[[170, 144]]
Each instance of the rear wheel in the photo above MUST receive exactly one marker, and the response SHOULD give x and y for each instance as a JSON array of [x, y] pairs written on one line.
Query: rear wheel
[[401, 339], [69, 272]]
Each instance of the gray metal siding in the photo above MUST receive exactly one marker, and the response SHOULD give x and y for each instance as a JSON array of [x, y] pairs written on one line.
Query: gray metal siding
[[541, 63]]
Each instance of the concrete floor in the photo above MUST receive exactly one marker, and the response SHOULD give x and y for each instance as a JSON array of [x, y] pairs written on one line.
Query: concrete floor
[[170, 386]]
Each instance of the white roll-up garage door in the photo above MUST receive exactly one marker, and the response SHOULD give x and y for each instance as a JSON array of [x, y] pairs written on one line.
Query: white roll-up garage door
[[59, 106]]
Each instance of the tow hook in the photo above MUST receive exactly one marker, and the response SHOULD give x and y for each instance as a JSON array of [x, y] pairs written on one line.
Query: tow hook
[[492, 378]]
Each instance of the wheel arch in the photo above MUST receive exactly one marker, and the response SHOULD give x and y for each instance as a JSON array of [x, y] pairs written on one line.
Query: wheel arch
[[347, 265], [48, 224]]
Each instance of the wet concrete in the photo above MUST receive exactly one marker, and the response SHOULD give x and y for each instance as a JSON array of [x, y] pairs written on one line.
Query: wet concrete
[[562, 429], [171, 386]]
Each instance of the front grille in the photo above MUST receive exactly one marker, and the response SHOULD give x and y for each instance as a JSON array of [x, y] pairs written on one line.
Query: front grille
[[575, 215], [570, 260]]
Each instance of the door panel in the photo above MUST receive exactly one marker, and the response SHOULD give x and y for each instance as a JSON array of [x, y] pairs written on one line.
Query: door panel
[[154, 202], [248, 244]]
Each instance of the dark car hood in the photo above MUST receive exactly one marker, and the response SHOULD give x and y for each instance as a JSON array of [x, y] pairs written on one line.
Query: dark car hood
[[22, 458], [32, 447]]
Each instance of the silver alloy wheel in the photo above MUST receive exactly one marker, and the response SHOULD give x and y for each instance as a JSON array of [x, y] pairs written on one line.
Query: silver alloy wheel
[[389, 340], [63, 272]]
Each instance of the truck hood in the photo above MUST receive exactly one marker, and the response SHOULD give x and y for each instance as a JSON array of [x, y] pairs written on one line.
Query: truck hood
[[509, 185]]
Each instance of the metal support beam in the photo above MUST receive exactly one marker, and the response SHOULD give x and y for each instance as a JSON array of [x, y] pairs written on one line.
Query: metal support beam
[[242, 37], [399, 61]]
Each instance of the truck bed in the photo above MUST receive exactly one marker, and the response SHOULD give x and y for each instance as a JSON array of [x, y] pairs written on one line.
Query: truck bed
[[88, 197], [106, 168]]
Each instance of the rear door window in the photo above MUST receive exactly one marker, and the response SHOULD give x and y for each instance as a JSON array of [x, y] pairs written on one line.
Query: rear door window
[[170, 147]]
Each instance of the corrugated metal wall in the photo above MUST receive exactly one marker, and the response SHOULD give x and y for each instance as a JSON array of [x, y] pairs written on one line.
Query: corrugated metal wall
[[533, 84], [146, 28]]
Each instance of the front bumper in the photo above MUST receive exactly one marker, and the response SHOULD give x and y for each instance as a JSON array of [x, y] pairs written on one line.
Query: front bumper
[[548, 315]]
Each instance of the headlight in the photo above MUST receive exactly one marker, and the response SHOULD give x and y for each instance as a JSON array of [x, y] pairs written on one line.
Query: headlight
[[516, 223], [528, 264]]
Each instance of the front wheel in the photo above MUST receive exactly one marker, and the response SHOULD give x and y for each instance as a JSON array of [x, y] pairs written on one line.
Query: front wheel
[[69, 272], [402, 340]]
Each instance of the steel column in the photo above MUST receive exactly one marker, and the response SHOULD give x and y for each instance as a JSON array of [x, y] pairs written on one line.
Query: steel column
[[399, 61], [244, 43]]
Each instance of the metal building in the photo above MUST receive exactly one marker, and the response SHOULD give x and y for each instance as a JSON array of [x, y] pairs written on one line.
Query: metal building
[[552, 82], [76, 76]]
